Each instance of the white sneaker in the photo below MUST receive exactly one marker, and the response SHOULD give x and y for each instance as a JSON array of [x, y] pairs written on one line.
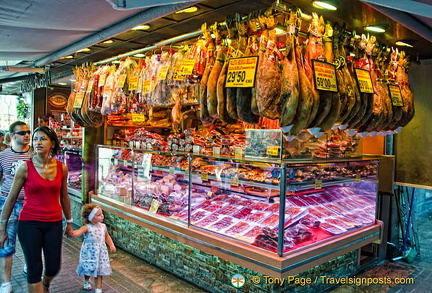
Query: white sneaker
[[6, 288], [24, 271]]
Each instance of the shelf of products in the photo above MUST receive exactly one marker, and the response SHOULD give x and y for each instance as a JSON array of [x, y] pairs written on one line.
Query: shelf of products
[[276, 205]]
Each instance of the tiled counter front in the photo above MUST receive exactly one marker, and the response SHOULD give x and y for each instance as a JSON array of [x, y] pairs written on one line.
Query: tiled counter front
[[211, 272]]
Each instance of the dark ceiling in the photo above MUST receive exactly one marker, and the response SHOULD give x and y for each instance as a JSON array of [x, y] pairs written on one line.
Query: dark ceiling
[[56, 30]]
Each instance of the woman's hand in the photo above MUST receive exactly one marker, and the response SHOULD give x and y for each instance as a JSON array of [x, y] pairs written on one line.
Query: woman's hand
[[4, 238], [112, 248], [69, 230]]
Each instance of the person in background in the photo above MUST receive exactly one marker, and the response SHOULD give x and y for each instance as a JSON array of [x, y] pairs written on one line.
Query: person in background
[[7, 139], [94, 260], [10, 160], [40, 221], [43, 121], [3, 146]]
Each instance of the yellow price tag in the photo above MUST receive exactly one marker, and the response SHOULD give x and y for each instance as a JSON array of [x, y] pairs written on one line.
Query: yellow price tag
[[395, 95], [146, 86], [216, 151], [364, 81], [79, 97], [238, 152], [187, 66], [358, 177], [273, 151], [325, 76], [318, 184], [154, 206], [133, 83], [241, 72], [138, 118], [178, 75], [204, 176], [102, 80], [234, 181], [121, 81], [163, 71]]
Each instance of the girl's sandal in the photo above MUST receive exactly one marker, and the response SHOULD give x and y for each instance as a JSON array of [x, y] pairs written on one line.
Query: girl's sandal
[[46, 287]]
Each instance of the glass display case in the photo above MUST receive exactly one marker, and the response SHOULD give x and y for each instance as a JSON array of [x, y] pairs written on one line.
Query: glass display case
[[275, 205]]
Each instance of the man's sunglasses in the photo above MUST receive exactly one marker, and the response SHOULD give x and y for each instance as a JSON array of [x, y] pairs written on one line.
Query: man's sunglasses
[[22, 132]]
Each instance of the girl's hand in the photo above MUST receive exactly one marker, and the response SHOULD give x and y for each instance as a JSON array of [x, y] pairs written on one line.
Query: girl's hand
[[112, 248]]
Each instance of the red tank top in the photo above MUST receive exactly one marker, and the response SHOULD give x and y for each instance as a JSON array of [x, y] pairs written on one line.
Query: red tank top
[[41, 196]]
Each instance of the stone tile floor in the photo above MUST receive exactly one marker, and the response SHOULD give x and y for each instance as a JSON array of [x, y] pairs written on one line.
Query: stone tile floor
[[131, 274]]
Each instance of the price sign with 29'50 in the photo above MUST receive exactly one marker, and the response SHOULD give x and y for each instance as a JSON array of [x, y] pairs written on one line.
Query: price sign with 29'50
[[241, 72]]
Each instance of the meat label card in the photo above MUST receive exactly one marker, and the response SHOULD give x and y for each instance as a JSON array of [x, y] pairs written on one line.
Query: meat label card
[[241, 72], [79, 97], [395, 94], [364, 81], [325, 76]]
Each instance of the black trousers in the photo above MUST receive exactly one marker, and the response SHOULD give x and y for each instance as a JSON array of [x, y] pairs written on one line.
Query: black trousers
[[35, 237]]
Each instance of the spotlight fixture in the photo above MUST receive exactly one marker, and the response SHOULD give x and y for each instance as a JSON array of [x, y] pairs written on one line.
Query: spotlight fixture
[[406, 43], [108, 42], [325, 4], [141, 27], [67, 57], [84, 50], [377, 28], [188, 10]]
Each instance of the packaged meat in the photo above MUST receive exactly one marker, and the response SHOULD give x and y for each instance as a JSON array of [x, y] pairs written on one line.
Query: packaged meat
[[272, 221], [208, 220], [261, 206], [296, 201], [243, 213], [257, 216], [230, 210], [238, 228], [332, 229], [223, 223], [198, 215]]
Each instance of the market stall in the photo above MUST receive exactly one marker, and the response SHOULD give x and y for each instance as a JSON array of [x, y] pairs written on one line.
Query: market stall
[[238, 152]]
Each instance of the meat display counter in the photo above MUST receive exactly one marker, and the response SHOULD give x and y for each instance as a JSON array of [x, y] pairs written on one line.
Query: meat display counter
[[276, 217]]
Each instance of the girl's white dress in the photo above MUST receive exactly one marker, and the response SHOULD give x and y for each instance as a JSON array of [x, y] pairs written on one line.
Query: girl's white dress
[[94, 260]]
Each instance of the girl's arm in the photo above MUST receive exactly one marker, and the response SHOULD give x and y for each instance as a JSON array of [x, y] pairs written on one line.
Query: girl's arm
[[109, 241], [17, 184], [65, 201], [79, 232]]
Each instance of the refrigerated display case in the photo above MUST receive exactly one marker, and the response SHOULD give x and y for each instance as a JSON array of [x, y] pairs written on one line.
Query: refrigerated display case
[[277, 217]]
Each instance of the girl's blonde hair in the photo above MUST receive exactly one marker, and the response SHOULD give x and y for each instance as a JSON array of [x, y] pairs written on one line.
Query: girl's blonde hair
[[86, 210]]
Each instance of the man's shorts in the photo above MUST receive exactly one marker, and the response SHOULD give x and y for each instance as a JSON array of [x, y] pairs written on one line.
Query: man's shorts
[[12, 226]]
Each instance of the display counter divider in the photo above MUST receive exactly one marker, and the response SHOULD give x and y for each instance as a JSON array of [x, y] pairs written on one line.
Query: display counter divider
[[253, 258]]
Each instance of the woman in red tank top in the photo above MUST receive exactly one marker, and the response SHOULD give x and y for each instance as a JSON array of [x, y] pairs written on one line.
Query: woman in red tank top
[[40, 221]]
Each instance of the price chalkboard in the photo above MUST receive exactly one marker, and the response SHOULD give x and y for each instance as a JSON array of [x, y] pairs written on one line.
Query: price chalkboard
[[241, 72], [325, 76], [364, 81]]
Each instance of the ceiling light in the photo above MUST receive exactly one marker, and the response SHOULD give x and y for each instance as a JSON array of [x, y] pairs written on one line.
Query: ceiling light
[[84, 50], [62, 83], [141, 27], [325, 4], [406, 43], [116, 61], [188, 10], [139, 55], [67, 57], [377, 28], [73, 80], [108, 42]]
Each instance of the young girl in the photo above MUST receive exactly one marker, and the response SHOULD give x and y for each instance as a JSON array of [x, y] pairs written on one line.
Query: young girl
[[94, 259]]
